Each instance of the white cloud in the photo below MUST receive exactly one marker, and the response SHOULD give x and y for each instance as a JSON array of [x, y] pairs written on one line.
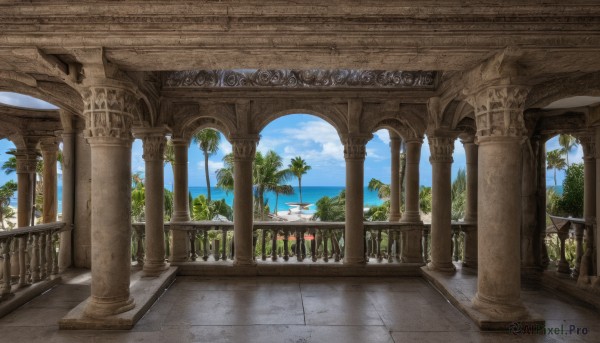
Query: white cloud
[[269, 143], [577, 155], [20, 100], [383, 135], [225, 147], [212, 165]]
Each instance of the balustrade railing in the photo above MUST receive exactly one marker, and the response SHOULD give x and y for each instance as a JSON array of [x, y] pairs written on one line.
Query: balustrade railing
[[461, 250], [569, 230], [29, 255], [276, 240]]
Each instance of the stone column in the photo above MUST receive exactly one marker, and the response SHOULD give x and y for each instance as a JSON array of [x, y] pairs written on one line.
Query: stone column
[[588, 143], [109, 111], [441, 203], [542, 252], [65, 254], [597, 233], [181, 207], [395, 177], [500, 132], [154, 148], [412, 249], [244, 150], [50, 156], [82, 218], [413, 158], [470, 230], [529, 228], [26, 166], [354, 240]]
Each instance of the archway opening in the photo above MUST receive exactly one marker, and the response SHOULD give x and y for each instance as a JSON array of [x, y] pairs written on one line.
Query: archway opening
[[25, 101]]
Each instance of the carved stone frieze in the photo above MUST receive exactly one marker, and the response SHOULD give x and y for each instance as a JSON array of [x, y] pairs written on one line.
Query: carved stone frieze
[[154, 147], [355, 146], [441, 149], [109, 112], [499, 111], [244, 148], [310, 78]]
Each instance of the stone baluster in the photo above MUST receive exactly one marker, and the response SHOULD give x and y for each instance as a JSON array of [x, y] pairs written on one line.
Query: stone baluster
[[379, 256], [244, 151], [55, 257], [181, 211], [274, 245], [500, 134], [154, 143], [140, 253], [205, 244], [391, 245], [35, 258], [563, 264], [42, 254], [286, 235], [299, 245], [325, 236], [192, 243], [395, 142], [455, 244], [49, 253], [354, 154], [470, 230], [441, 160], [109, 110], [264, 244], [313, 245], [426, 245], [224, 244], [6, 286], [579, 244]]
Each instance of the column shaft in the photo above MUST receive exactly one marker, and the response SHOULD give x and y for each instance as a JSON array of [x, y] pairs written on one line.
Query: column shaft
[[244, 151], [68, 194], [50, 155], [470, 231], [82, 220], [395, 178], [354, 240], [154, 146], [411, 205], [181, 210], [441, 204]]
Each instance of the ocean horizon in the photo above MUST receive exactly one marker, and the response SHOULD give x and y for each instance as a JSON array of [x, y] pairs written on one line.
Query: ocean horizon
[[310, 194]]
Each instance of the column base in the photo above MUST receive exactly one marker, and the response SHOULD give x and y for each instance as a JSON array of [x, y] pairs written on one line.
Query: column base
[[394, 217], [98, 309], [354, 261], [444, 267], [500, 309], [154, 269], [470, 264], [412, 249], [411, 217], [244, 262]]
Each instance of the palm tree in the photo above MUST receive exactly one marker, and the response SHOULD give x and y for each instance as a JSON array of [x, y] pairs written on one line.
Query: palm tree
[[10, 165], [225, 174], [208, 141], [298, 167], [331, 209], [267, 176], [383, 189], [281, 189], [169, 155], [554, 160], [568, 143], [425, 199]]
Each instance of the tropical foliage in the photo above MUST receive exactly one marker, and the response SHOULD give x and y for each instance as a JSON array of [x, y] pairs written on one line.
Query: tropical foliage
[[7, 191], [425, 199], [459, 195], [208, 141], [203, 209], [383, 189], [554, 160], [568, 144], [138, 200], [331, 209]]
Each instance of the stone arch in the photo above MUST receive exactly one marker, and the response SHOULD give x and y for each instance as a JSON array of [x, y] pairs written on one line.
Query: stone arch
[[199, 123], [57, 94], [404, 131], [334, 114], [556, 89], [463, 113]]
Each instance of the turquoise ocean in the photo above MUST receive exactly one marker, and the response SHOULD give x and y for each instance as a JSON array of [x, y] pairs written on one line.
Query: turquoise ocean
[[310, 194]]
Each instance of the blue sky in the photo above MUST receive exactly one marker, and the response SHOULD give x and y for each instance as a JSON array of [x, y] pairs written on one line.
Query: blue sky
[[293, 135]]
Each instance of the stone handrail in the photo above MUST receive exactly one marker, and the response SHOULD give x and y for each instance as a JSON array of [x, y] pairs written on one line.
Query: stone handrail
[[214, 238], [29, 255], [578, 226]]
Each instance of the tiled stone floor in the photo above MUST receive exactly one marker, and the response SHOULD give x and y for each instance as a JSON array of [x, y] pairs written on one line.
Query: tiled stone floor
[[287, 309]]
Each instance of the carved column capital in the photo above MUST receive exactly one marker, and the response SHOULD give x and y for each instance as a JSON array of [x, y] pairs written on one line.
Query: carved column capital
[[441, 149], [244, 149], [499, 111], [355, 146], [588, 143], [26, 161], [154, 141], [109, 112], [49, 145]]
